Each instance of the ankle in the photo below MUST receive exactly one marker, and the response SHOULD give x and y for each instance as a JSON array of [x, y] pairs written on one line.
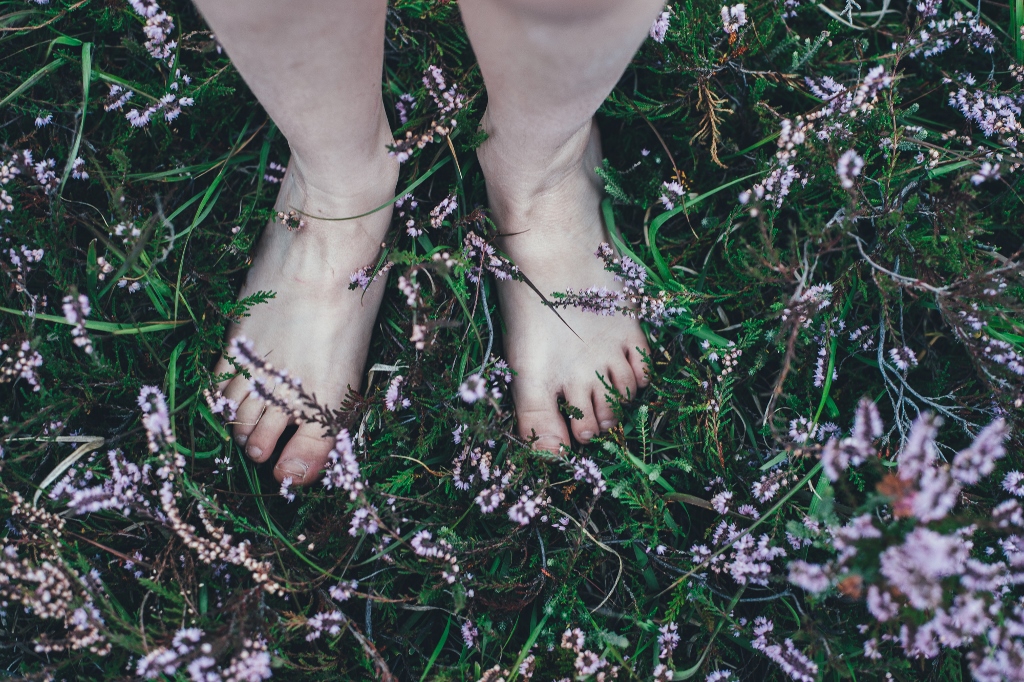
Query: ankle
[[348, 182], [521, 167]]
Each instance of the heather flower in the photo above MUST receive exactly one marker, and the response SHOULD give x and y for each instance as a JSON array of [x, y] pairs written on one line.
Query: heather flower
[[342, 471], [574, 639], [474, 388], [44, 120], [660, 27], [78, 171], [469, 634], [986, 172], [527, 507], [286, 492], [330, 622], [719, 676], [393, 398], [1013, 483], [22, 364], [849, 167], [344, 590], [903, 358], [810, 577], [586, 470], [489, 499], [668, 640], [483, 257], [76, 309], [733, 18], [979, 459], [792, 661], [443, 210]]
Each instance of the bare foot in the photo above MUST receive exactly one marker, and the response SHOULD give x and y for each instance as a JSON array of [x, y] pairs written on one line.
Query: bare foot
[[550, 212], [314, 327]]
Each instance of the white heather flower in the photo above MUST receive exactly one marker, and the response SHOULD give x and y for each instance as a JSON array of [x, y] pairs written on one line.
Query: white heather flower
[[719, 676], [44, 120], [474, 388], [586, 470], [734, 17], [327, 621], [849, 166], [527, 507], [1013, 483], [587, 663], [286, 492], [659, 28], [985, 173]]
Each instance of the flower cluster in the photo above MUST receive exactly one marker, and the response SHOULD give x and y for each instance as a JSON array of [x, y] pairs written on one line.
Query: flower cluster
[[586, 470], [938, 35], [21, 364], [633, 301], [792, 661], [449, 103], [733, 18], [587, 662], [445, 208], [924, 586], [424, 545], [660, 27], [191, 651], [158, 29], [76, 309], [482, 257]]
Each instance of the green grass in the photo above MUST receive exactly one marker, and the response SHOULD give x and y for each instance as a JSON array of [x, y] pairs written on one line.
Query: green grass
[[187, 184]]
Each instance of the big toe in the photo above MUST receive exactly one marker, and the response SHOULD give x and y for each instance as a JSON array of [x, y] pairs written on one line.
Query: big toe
[[305, 455], [537, 414]]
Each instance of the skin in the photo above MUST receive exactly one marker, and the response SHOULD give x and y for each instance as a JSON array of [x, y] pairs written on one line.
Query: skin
[[315, 65]]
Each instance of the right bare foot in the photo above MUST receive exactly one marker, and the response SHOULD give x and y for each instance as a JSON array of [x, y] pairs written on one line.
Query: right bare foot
[[314, 327]]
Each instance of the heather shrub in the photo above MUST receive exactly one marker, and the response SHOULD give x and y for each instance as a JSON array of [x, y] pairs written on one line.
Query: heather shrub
[[815, 213]]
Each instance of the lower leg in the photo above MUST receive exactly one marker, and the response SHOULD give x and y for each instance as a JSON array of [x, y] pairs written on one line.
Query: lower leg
[[547, 68], [315, 66]]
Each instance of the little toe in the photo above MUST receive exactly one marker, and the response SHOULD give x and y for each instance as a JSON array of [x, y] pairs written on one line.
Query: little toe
[[586, 428], [640, 369], [603, 410], [305, 455], [537, 415], [263, 439], [247, 417]]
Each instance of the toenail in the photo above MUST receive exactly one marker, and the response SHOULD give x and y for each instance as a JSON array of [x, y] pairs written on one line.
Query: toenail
[[607, 424], [586, 435], [553, 443], [295, 468], [254, 452], [241, 439]]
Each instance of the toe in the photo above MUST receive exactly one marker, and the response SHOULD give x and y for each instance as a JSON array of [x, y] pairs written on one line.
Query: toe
[[586, 428], [640, 369], [537, 415], [603, 409], [263, 439], [622, 377], [236, 389], [305, 455], [247, 417]]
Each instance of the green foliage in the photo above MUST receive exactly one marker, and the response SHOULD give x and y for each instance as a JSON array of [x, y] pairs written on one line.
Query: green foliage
[[913, 251]]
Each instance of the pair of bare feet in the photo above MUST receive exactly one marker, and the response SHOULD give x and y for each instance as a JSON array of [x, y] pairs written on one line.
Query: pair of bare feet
[[320, 330]]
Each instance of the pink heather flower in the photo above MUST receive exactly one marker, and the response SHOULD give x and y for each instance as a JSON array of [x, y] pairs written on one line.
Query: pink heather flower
[[573, 639], [979, 459], [405, 104], [985, 173], [393, 399], [719, 676], [327, 621], [474, 388], [810, 577], [489, 499], [903, 358], [344, 590], [660, 27], [849, 166], [586, 470], [78, 171], [44, 120], [469, 634], [1013, 483], [733, 18], [721, 502], [443, 210], [668, 640]]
